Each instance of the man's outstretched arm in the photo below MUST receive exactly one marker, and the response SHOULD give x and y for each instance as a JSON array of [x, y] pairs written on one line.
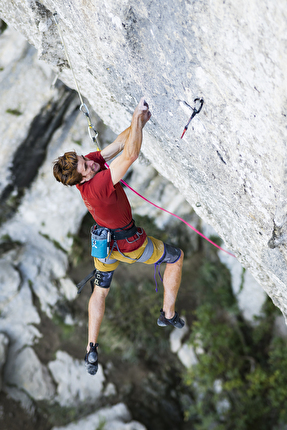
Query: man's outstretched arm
[[133, 142], [119, 143], [114, 148]]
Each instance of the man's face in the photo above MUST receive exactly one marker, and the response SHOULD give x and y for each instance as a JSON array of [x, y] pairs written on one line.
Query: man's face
[[87, 168]]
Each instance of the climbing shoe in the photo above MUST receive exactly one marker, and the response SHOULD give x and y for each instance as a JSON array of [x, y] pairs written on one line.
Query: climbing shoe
[[91, 359], [175, 321]]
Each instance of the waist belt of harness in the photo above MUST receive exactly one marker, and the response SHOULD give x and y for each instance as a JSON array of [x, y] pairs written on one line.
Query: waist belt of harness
[[123, 233]]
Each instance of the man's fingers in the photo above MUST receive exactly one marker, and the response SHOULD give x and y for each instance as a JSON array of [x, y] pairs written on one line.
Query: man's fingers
[[143, 109], [143, 104]]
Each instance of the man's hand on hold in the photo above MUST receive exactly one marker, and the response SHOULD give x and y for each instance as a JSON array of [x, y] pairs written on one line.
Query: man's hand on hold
[[120, 165], [142, 112]]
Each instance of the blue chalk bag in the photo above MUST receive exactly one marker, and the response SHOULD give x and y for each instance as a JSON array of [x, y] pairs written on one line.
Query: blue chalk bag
[[100, 239]]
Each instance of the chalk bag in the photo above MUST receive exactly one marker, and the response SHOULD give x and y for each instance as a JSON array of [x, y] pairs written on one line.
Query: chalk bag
[[100, 240]]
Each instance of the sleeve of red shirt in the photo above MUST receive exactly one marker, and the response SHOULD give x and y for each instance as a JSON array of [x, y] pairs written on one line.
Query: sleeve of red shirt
[[97, 157]]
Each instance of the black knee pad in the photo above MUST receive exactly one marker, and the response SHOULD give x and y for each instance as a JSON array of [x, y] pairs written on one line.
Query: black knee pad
[[171, 254], [103, 279]]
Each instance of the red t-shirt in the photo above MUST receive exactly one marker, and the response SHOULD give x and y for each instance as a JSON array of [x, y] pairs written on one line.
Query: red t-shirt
[[108, 203]]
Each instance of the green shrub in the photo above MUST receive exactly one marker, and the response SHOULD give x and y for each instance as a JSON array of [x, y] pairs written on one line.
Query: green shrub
[[129, 324], [15, 112], [248, 361]]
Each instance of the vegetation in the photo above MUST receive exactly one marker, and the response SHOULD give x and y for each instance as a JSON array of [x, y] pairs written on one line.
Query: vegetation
[[240, 381], [10, 202], [129, 324], [55, 242], [149, 226], [77, 141], [102, 424], [7, 244], [3, 26], [66, 330], [14, 112]]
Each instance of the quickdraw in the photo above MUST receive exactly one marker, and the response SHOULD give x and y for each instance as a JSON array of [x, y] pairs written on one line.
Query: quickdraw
[[195, 112]]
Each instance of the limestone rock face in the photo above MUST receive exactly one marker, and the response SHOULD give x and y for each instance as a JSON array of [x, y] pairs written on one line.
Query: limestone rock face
[[38, 219], [74, 383], [230, 165], [26, 370], [113, 418], [3, 353]]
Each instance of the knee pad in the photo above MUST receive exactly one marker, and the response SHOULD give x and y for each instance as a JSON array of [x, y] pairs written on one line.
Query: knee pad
[[171, 254], [103, 279]]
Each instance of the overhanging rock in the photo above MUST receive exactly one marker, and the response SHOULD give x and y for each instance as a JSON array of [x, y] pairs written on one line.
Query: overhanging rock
[[230, 165]]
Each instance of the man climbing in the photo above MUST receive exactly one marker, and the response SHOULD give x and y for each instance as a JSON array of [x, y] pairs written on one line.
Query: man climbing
[[108, 204]]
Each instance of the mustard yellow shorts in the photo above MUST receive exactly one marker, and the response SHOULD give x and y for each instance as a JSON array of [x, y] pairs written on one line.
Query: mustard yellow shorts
[[158, 250]]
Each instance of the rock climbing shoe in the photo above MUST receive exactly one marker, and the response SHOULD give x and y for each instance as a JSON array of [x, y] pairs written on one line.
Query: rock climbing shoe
[[91, 359], [175, 321]]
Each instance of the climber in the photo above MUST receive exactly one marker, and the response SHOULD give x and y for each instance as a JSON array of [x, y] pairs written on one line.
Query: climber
[[106, 200]]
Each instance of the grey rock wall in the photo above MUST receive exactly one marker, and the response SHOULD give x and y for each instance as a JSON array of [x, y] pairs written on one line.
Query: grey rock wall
[[112, 418], [230, 166], [4, 341], [43, 218], [36, 234]]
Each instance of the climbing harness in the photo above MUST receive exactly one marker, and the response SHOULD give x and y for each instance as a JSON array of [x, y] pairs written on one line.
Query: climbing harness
[[101, 238], [94, 134], [103, 279], [195, 112], [127, 233]]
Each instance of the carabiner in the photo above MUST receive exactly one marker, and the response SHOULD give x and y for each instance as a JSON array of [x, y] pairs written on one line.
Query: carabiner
[[201, 101], [84, 108], [92, 132], [195, 112]]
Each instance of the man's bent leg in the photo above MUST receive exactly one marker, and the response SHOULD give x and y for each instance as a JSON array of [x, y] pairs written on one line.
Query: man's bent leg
[[96, 313], [96, 310], [97, 303], [165, 253], [171, 284]]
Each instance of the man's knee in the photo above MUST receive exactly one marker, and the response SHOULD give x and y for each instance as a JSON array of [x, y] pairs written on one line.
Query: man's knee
[[179, 262], [171, 255], [103, 279]]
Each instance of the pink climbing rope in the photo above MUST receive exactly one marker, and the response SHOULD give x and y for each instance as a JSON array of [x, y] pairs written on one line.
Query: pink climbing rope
[[178, 217]]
